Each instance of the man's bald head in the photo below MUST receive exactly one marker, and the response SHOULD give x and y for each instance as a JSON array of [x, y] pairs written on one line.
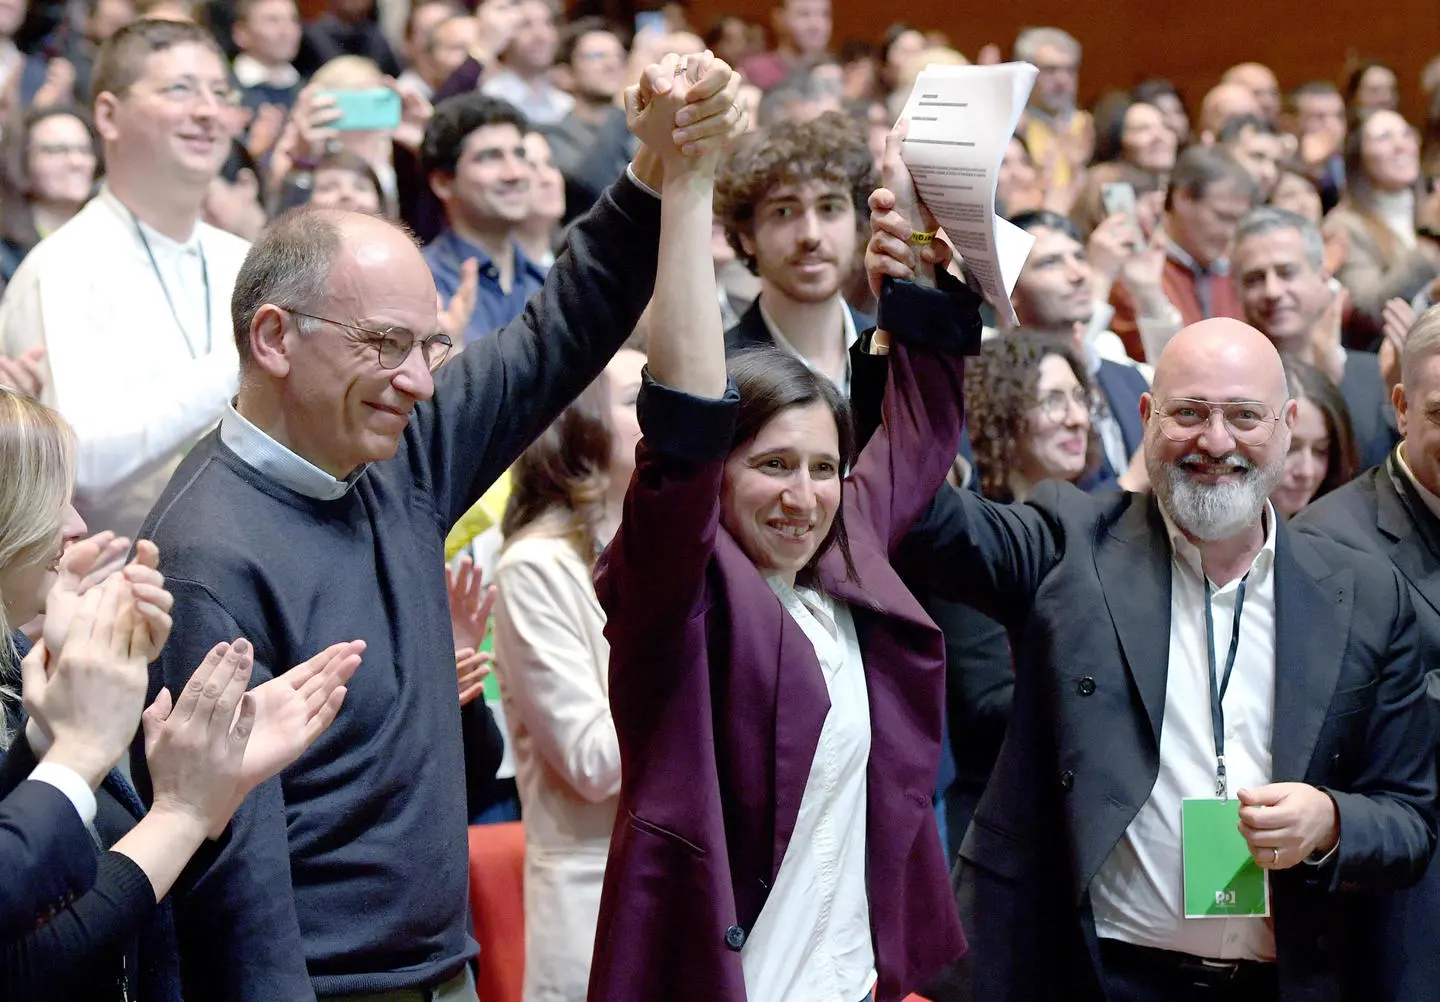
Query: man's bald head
[[1224, 102], [1221, 359], [1260, 81]]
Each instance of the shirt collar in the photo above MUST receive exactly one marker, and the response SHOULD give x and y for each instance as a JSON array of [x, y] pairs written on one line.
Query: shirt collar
[[159, 243], [1186, 551], [271, 459], [251, 72], [462, 249], [1220, 267], [848, 321], [1431, 501]]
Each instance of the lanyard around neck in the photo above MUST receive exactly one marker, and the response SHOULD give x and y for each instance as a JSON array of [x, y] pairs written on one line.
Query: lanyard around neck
[[169, 300], [1217, 691]]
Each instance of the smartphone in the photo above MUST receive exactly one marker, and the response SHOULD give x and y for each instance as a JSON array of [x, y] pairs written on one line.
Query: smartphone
[[1119, 197], [652, 21], [372, 110]]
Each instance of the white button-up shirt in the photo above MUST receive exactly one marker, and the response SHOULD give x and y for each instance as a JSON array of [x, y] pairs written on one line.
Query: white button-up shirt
[[812, 941], [1138, 894], [847, 330]]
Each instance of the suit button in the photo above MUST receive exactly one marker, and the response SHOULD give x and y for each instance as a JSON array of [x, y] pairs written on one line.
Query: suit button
[[1086, 686], [1335, 759], [735, 938], [1067, 779]]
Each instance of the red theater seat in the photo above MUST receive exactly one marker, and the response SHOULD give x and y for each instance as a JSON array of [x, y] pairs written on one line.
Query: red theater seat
[[497, 903]]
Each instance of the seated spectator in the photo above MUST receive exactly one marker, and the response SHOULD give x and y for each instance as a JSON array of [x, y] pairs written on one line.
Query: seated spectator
[[792, 198], [1372, 86], [937, 55], [1318, 113], [802, 36], [345, 181], [1017, 183], [424, 72], [474, 156], [183, 11], [1027, 405], [1208, 195], [1389, 257], [539, 234], [1222, 103], [97, 933], [267, 33], [347, 28], [553, 663], [591, 144], [1052, 120], [1260, 81], [1296, 191], [729, 39], [134, 291], [1134, 131], [859, 73], [1163, 95], [1086, 204], [77, 49], [1322, 452], [49, 173], [1258, 147], [1279, 271], [800, 97], [902, 44], [523, 75]]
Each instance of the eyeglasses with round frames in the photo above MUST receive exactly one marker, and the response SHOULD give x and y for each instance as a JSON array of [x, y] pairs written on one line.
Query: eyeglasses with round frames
[[1249, 422], [392, 347], [1056, 404]]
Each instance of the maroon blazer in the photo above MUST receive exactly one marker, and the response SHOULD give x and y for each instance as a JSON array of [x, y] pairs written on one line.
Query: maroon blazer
[[718, 702]]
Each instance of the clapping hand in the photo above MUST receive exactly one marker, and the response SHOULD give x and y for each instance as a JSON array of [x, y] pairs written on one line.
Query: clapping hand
[[472, 668], [25, 374], [471, 602], [1398, 318], [89, 563], [295, 708]]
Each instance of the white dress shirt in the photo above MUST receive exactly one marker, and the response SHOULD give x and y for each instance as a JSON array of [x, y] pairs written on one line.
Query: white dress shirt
[[1138, 896], [542, 102], [812, 941], [849, 332], [138, 387]]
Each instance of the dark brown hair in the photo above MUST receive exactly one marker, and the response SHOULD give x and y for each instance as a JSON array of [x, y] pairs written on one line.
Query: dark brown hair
[[1308, 383], [829, 148], [1000, 388], [1360, 192], [562, 477], [770, 380], [17, 224]]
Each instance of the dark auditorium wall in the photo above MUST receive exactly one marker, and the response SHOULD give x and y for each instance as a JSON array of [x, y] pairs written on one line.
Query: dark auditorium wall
[[1185, 40]]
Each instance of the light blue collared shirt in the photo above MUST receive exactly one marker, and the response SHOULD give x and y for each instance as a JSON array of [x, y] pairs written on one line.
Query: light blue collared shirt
[[271, 459]]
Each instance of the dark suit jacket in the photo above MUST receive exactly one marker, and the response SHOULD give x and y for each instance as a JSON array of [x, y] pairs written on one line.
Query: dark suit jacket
[[1370, 413], [1082, 582], [719, 701], [1122, 386], [1382, 514]]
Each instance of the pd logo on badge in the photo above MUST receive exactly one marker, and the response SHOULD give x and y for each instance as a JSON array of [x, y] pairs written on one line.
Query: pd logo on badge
[[1222, 879]]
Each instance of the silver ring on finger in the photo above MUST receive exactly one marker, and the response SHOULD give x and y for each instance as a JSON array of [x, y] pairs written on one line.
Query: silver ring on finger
[[1274, 856]]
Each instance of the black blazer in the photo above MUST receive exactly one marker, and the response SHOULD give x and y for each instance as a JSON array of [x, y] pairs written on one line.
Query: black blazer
[[1122, 386], [1371, 415], [1381, 513], [1082, 583]]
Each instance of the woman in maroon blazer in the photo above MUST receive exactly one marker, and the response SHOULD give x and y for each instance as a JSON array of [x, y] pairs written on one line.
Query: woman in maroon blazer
[[776, 690]]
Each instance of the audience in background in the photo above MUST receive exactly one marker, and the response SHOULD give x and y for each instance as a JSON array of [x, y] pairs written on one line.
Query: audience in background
[[1058, 134], [523, 76], [1372, 86], [1256, 145], [49, 171], [427, 69], [1322, 452], [802, 36], [539, 234], [591, 144], [1260, 81], [346, 28], [267, 33]]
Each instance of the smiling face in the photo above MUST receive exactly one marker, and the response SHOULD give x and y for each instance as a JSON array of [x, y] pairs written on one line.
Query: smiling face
[[1054, 289], [25, 583], [492, 181], [60, 160], [547, 188], [343, 188], [1260, 154], [342, 409], [1307, 461], [1205, 224], [169, 125], [1282, 292], [782, 489], [1057, 425], [804, 239], [1390, 151], [1146, 141], [1296, 194], [622, 389]]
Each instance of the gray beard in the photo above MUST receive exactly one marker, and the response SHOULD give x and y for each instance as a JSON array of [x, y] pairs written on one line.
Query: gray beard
[[1218, 511]]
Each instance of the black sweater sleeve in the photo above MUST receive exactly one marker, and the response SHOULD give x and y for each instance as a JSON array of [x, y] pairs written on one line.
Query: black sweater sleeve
[[61, 953]]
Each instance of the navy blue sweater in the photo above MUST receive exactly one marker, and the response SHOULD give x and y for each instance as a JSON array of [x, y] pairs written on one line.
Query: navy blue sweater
[[369, 827]]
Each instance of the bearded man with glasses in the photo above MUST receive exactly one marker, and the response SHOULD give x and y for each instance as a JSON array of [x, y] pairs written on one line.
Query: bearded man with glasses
[[1215, 720]]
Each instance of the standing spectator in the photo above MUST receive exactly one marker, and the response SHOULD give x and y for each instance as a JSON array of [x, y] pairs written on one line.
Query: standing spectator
[[1381, 216], [347, 28], [1296, 191], [1222, 103], [1208, 195], [49, 173], [474, 155], [134, 291], [1260, 81], [553, 663], [1257, 146], [1057, 133], [340, 429], [1372, 86], [77, 49], [1319, 121], [424, 73], [1322, 454], [802, 36], [1134, 131], [345, 181], [523, 75], [591, 144], [791, 198], [1279, 271], [539, 234], [1163, 95], [267, 33], [729, 39]]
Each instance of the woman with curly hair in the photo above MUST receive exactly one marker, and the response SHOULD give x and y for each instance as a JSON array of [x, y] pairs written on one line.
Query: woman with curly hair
[[1027, 403]]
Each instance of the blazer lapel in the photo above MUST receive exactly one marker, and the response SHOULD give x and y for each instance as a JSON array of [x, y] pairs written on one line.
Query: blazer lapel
[[1122, 404], [1401, 514], [1313, 608], [1133, 563]]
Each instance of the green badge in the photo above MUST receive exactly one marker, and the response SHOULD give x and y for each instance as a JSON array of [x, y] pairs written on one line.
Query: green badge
[[1222, 879]]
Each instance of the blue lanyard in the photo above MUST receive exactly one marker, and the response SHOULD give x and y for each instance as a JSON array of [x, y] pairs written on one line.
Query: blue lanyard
[[1217, 692], [204, 277]]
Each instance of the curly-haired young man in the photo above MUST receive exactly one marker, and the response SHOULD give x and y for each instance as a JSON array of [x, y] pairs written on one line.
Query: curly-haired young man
[[792, 199]]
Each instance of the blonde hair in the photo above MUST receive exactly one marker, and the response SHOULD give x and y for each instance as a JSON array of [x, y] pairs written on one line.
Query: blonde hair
[[37, 455], [348, 73]]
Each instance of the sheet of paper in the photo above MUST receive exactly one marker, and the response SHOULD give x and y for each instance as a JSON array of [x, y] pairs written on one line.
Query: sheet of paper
[[960, 121]]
